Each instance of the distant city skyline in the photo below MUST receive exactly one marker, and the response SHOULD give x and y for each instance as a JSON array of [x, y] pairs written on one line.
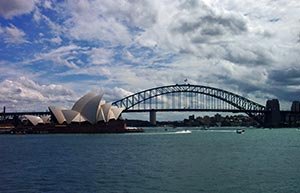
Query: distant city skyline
[[53, 52]]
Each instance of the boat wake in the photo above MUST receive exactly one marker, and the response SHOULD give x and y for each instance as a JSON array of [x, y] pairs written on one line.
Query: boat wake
[[221, 131], [162, 133], [183, 132]]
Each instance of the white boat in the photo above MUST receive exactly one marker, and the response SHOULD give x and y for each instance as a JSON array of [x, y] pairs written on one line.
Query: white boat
[[184, 131], [240, 131]]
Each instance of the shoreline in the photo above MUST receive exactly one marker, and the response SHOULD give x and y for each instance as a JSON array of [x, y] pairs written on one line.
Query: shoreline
[[111, 127]]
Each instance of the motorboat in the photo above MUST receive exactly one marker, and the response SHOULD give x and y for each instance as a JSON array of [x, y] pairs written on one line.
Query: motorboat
[[240, 131], [184, 131]]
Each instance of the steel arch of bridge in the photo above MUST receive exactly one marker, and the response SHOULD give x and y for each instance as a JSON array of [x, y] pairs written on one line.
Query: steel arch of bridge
[[241, 104]]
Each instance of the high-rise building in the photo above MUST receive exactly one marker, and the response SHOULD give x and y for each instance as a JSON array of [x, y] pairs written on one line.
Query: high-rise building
[[295, 106]]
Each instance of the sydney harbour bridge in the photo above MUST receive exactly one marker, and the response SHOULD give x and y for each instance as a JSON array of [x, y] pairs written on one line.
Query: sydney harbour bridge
[[187, 97]]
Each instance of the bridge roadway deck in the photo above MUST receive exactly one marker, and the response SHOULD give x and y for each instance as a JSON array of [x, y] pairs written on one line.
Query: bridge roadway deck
[[23, 113], [199, 110], [11, 114]]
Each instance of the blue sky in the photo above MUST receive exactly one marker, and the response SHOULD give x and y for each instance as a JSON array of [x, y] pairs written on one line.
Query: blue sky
[[52, 52]]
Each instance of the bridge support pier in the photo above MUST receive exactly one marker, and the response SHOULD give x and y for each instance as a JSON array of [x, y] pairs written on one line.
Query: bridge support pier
[[272, 116], [153, 117]]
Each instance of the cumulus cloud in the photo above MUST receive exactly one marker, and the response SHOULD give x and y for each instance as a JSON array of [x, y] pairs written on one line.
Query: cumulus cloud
[[248, 55], [114, 94], [203, 28], [250, 48], [89, 22], [24, 94], [11, 8]]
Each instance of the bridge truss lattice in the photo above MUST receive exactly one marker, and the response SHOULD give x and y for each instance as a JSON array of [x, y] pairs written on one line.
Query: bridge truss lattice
[[188, 97]]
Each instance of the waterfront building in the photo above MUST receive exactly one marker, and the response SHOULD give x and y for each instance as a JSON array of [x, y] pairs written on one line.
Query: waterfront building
[[88, 109], [294, 117], [295, 106]]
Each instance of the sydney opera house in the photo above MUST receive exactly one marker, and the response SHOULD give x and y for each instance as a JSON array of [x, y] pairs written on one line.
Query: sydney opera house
[[90, 114], [89, 108]]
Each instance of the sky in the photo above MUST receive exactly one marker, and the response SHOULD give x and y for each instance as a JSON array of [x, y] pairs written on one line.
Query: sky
[[52, 52]]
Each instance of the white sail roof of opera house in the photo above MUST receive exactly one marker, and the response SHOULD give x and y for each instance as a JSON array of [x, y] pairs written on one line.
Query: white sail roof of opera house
[[116, 111], [106, 108], [89, 108], [73, 116], [35, 120], [79, 105], [57, 112]]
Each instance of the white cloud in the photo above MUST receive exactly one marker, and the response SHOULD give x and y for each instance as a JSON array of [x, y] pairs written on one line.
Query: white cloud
[[24, 94], [48, 4], [101, 72], [62, 56], [101, 56], [237, 45], [11, 8], [232, 45], [89, 22], [56, 40], [11, 34], [114, 94], [37, 15], [55, 28]]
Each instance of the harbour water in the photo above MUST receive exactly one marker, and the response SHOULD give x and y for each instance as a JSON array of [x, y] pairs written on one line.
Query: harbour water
[[159, 160]]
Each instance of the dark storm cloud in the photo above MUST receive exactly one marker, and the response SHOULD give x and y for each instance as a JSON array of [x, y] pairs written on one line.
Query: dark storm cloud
[[283, 93], [281, 84], [230, 83], [284, 84], [249, 57], [211, 26], [231, 23], [285, 77]]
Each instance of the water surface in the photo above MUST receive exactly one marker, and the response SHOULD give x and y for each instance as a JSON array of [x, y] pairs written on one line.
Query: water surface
[[260, 160]]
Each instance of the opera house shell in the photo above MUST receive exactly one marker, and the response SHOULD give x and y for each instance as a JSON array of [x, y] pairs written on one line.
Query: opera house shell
[[90, 114], [88, 109]]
